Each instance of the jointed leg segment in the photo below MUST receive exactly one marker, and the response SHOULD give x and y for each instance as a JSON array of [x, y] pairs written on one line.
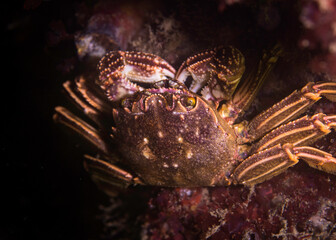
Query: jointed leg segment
[[300, 132], [290, 107], [275, 160], [107, 175], [65, 117], [282, 147], [87, 100]]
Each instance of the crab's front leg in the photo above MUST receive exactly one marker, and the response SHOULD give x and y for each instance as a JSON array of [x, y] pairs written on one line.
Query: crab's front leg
[[121, 71], [248, 88], [216, 73]]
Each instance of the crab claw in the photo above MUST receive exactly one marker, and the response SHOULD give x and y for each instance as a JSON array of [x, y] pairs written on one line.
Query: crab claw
[[216, 73], [121, 71]]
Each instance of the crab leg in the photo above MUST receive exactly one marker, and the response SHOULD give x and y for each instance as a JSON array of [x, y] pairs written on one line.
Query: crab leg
[[275, 160], [89, 110], [249, 86], [90, 93], [290, 107], [303, 131], [247, 91], [316, 158], [107, 175], [90, 103], [65, 117]]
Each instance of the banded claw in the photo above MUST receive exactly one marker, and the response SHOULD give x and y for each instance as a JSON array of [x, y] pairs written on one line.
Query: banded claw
[[121, 72], [216, 73]]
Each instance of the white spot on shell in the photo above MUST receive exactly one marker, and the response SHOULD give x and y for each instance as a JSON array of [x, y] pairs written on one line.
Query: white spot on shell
[[165, 165], [145, 140], [197, 132], [147, 153], [180, 139], [160, 134], [175, 165], [189, 154]]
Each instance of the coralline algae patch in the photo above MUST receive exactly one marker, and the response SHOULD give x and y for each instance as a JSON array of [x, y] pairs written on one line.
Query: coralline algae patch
[[298, 204]]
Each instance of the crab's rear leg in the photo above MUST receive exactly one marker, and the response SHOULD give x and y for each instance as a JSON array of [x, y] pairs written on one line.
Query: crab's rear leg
[[290, 107], [90, 133], [108, 176], [275, 160]]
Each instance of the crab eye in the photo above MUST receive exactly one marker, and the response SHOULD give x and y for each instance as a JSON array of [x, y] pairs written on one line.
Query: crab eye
[[126, 103], [123, 102], [189, 102]]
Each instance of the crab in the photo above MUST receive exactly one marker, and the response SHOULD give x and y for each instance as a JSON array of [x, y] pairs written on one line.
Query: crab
[[154, 125]]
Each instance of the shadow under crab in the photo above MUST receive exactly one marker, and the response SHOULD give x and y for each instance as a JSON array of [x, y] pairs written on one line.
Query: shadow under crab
[[177, 135]]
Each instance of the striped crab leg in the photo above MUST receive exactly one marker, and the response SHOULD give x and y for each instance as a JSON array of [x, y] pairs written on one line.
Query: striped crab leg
[[89, 99], [286, 144], [303, 131], [108, 176], [121, 71], [290, 107], [92, 103], [90, 133], [275, 160], [248, 88]]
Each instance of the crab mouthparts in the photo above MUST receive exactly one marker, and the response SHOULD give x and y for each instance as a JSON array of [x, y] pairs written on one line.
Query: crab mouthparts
[[167, 99]]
